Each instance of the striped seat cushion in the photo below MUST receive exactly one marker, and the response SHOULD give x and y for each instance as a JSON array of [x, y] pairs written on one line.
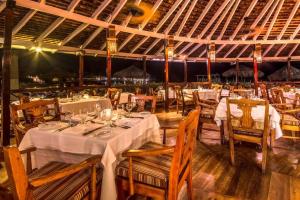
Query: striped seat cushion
[[290, 120], [207, 113], [150, 170], [74, 187]]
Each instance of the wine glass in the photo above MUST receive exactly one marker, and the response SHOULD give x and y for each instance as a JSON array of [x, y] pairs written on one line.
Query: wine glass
[[82, 116], [68, 117], [129, 107], [98, 109]]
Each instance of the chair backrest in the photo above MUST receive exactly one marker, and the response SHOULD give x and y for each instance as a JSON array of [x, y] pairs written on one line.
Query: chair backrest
[[141, 101], [35, 112], [16, 173], [179, 93], [114, 95], [22, 100], [277, 96], [264, 91], [182, 157], [297, 101], [245, 122]]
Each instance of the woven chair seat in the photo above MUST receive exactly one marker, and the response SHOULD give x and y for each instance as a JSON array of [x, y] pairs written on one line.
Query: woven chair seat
[[150, 170], [74, 187]]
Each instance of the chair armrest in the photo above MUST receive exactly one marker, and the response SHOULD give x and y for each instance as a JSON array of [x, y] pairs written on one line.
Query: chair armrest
[[148, 152], [28, 150], [291, 111], [36, 182]]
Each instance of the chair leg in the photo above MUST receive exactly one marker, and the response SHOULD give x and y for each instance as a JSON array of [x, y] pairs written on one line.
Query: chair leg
[[190, 185], [272, 138], [165, 136], [222, 133], [177, 107], [199, 130], [264, 155], [121, 192], [231, 146]]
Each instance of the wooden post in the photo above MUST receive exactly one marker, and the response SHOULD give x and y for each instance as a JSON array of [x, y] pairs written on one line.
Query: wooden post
[[166, 80], [6, 64], [237, 72], [289, 77], [185, 70], [209, 71], [145, 68], [255, 72], [81, 67], [108, 68]]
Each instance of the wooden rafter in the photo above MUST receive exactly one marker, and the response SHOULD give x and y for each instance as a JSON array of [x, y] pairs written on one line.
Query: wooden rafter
[[170, 26], [58, 21], [153, 10], [267, 18], [161, 23], [94, 16], [293, 50], [23, 21]]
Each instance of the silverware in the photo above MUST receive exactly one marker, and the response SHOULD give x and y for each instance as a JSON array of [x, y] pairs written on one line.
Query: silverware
[[134, 117], [91, 131], [63, 128]]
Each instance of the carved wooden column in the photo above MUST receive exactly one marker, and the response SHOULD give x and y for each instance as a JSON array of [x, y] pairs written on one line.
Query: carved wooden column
[[237, 72], [108, 68], [166, 80], [185, 70], [6, 65], [255, 72], [209, 71], [144, 68], [81, 68]]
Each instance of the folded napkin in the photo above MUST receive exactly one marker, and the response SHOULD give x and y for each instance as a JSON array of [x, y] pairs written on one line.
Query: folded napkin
[[130, 122]]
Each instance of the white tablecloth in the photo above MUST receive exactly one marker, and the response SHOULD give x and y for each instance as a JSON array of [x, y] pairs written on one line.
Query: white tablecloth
[[204, 93], [70, 142], [172, 93], [290, 96], [84, 105], [256, 113]]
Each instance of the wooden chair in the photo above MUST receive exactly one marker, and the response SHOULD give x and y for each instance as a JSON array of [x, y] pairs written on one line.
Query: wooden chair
[[114, 95], [244, 128], [159, 171], [207, 114], [36, 111], [141, 101], [182, 100], [264, 91], [55, 180]]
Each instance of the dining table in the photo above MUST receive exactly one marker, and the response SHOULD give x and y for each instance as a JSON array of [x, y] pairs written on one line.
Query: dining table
[[60, 141], [83, 104], [257, 114]]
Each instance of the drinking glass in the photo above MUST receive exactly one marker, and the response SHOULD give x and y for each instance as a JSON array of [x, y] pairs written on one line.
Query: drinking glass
[[98, 109], [129, 107]]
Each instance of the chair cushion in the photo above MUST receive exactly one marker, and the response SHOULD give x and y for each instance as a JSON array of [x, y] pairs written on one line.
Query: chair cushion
[[290, 120], [150, 170], [207, 113], [76, 186]]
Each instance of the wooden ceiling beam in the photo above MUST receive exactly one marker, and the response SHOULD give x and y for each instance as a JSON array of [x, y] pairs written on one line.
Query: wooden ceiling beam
[[95, 15], [194, 49], [295, 9], [77, 17], [170, 26], [274, 19], [186, 17], [293, 50], [214, 18], [236, 5], [161, 23], [267, 18], [23, 21], [57, 22], [153, 10], [220, 20], [241, 23], [125, 23]]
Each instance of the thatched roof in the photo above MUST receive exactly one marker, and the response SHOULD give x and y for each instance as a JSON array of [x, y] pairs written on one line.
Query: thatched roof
[[131, 72], [282, 74], [233, 25], [245, 72]]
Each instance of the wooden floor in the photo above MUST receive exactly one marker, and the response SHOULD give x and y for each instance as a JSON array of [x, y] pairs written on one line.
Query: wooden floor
[[215, 178]]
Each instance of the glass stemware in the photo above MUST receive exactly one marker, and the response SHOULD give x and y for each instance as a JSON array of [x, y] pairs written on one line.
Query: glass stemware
[[129, 107], [98, 109]]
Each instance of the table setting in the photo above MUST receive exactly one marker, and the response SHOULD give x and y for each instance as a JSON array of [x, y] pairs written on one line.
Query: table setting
[[103, 131]]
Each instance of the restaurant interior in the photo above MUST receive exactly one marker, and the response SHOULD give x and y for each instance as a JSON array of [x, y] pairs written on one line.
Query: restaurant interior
[[150, 99]]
